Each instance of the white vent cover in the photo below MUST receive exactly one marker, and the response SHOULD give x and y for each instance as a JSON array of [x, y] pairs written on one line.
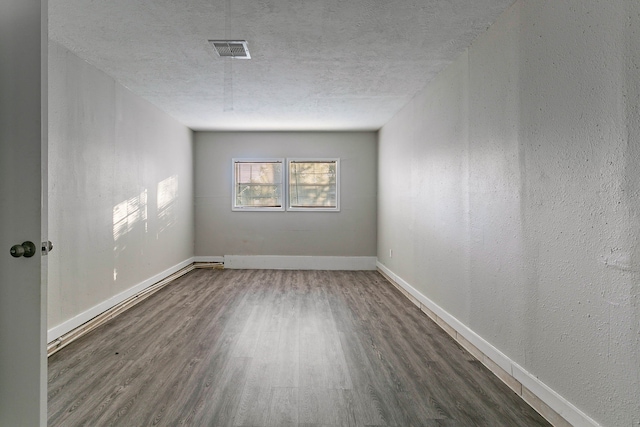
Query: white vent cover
[[237, 49]]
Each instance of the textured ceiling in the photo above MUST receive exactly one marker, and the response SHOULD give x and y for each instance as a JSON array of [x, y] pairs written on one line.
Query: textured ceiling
[[316, 65]]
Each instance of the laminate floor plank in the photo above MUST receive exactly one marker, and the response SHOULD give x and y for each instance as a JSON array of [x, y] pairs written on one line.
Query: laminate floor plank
[[325, 407], [287, 360], [221, 404], [258, 348], [283, 408]]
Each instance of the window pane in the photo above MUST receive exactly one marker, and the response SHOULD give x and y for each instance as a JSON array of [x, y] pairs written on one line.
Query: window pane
[[258, 184], [312, 184]]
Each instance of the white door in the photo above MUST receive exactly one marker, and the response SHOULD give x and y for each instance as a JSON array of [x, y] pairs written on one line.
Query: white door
[[23, 172]]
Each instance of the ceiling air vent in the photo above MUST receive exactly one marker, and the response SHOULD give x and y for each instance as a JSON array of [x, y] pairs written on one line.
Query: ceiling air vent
[[231, 48]]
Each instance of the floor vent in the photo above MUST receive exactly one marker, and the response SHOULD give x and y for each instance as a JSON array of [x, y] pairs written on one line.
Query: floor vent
[[237, 49]]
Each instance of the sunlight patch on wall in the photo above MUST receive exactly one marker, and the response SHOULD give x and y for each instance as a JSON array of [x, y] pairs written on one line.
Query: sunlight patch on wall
[[128, 213], [167, 196]]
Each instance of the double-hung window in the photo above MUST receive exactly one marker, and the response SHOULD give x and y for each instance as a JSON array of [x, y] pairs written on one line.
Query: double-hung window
[[314, 184], [258, 184], [311, 184]]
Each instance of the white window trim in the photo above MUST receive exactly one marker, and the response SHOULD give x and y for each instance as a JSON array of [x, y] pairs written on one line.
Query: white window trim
[[313, 159], [284, 189]]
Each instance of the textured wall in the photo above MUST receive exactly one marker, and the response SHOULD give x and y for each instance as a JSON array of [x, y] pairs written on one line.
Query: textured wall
[[509, 193], [120, 188], [350, 232]]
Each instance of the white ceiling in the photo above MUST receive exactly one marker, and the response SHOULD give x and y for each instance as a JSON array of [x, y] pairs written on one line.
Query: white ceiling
[[316, 65]]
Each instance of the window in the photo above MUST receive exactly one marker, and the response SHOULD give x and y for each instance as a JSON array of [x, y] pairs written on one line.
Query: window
[[314, 184], [257, 184]]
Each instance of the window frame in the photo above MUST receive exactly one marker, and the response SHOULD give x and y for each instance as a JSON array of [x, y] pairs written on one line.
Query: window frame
[[283, 183], [291, 160]]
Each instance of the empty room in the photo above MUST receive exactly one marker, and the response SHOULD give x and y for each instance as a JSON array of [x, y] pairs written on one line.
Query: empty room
[[339, 213]]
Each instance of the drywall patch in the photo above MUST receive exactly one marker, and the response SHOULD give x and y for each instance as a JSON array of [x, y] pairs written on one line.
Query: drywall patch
[[619, 259]]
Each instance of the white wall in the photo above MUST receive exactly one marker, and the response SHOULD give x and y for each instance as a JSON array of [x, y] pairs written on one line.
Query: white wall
[[509, 193], [120, 188], [350, 232]]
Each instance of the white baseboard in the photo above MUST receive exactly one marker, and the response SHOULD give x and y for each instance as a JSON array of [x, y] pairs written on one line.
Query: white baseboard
[[299, 262], [73, 323], [520, 381]]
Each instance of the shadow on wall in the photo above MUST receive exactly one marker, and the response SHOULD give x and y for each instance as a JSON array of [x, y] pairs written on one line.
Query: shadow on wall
[[131, 222]]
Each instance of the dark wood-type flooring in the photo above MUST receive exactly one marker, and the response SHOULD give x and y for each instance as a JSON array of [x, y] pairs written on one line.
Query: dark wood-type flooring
[[276, 348]]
